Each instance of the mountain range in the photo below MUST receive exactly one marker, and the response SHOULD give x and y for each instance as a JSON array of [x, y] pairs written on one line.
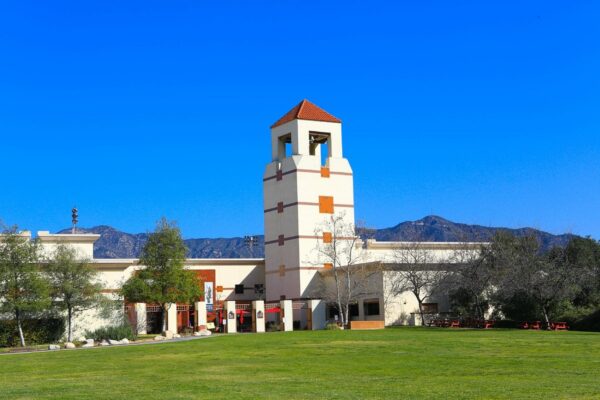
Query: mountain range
[[116, 244]]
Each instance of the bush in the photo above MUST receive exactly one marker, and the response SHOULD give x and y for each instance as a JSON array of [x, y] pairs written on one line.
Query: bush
[[115, 332], [332, 326], [590, 322], [36, 331]]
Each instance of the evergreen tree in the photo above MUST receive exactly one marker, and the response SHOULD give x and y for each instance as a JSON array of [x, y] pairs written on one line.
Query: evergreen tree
[[22, 289], [72, 284], [163, 279]]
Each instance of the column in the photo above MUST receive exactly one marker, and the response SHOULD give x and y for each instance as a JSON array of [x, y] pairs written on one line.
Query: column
[[319, 317], [200, 308], [287, 316], [140, 315], [258, 316], [172, 318], [230, 317]]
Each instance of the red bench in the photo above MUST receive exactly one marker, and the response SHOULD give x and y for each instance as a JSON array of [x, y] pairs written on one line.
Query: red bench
[[537, 325], [488, 324], [559, 326], [455, 324]]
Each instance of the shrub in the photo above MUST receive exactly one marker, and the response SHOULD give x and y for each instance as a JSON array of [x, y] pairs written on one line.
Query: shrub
[[115, 332], [332, 326], [36, 331]]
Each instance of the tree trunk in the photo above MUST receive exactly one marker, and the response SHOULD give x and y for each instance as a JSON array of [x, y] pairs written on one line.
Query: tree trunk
[[165, 315], [18, 318], [546, 318], [421, 312], [69, 318]]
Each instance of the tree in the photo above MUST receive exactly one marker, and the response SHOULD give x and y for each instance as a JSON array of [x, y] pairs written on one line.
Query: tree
[[72, 284], [342, 254], [471, 278], [163, 279], [22, 289], [418, 271], [525, 275], [583, 255]]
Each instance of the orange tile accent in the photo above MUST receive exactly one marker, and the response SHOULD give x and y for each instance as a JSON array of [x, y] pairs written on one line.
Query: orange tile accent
[[219, 289], [282, 270], [327, 237], [328, 266], [326, 204], [325, 172]]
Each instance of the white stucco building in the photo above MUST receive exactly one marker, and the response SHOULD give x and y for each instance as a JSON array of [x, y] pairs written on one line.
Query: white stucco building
[[307, 182]]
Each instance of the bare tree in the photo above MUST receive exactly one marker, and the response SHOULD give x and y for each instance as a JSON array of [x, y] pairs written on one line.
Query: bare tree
[[418, 271], [339, 248]]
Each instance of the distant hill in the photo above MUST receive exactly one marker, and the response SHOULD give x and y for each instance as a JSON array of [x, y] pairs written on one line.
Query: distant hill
[[116, 244], [437, 229]]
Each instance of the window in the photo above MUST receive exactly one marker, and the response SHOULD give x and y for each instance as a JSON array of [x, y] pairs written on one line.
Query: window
[[327, 237], [353, 310], [332, 311], [239, 289], [280, 207], [326, 204], [281, 240], [371, 307]]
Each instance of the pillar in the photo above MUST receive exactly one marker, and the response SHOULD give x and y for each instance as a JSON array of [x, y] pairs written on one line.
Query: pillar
[[172, 317], [230, 317], [258, 316], [318, 312], [200, 308], [140, 315], [287, 316]]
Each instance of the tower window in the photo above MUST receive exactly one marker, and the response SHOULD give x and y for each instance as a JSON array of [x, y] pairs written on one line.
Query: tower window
[[281, 240], [280, 207], [319, 146], [282, 270], [326, 204]]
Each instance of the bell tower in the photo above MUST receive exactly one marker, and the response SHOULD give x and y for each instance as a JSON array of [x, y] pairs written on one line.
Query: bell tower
[[307, 181]]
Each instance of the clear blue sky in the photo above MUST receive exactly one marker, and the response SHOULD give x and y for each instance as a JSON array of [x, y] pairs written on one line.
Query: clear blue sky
[[480, 113]]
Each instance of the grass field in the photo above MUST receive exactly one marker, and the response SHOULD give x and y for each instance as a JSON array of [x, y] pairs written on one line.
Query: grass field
[[393, 363]]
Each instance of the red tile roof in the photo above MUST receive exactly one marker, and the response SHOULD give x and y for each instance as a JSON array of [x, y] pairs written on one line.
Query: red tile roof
[[306, 110]]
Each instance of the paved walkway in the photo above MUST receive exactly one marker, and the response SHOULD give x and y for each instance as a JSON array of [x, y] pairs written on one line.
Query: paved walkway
[[181, 339]]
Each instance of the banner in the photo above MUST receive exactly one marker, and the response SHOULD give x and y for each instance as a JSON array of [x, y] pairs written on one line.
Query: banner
[[208, 293]]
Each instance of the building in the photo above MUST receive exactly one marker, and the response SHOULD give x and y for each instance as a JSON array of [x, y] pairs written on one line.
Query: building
[[308, 204]]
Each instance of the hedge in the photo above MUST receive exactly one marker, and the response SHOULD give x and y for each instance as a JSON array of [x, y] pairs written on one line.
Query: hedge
[[36, 331]]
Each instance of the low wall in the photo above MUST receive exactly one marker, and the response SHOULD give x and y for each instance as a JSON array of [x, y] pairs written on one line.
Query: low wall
[[362, 325]]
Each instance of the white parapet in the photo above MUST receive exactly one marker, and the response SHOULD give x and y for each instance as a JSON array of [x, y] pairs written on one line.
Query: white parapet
[[230, 317], [318, 314], [140, 316], [287, 316], [258, 316], [200, 307]]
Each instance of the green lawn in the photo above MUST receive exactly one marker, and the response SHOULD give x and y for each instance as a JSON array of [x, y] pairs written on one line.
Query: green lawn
[[394, 363]]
